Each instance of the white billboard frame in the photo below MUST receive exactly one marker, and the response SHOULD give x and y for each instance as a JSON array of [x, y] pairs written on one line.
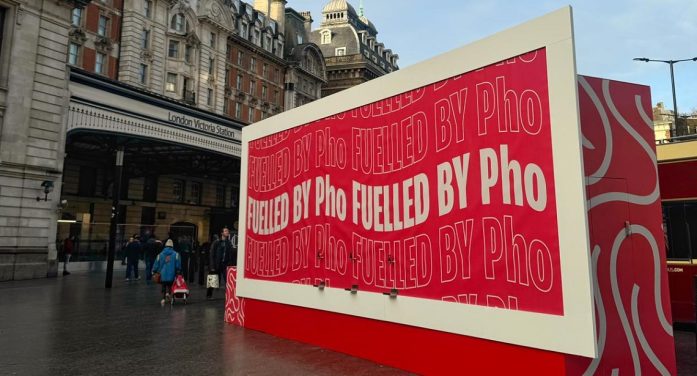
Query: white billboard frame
[[570, 333]]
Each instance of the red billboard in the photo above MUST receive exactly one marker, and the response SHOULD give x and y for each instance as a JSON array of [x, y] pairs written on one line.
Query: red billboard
[[444, 192]]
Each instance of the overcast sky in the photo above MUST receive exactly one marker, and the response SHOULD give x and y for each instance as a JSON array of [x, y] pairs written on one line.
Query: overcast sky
[[608, 34]]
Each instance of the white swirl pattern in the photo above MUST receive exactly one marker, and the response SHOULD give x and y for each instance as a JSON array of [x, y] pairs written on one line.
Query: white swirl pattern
[[609, 197], [607, 158]]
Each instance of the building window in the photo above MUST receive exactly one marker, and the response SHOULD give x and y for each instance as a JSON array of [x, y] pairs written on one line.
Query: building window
[[143, 74], [263, 92], [211, 66], [147, 8], [257, 37], [253, 64], [189, 93], [220, 195], [275, 96], [195, 196], [238, 110], [326, 37], [250, 116], [341, 51], [178, 23], [173, 49], [227, 77], [102, 26], [76, 18], [145, 43], [73, 52], [265, 70], [239, 82], [228, 51], [252, 87], [178, 190], [171, 82], [188, 53], [210, 97], [277, 75], [244, 30], [213, 39], [267, 43], [99, 63], [300, 39], [240, 56], [225, 106]]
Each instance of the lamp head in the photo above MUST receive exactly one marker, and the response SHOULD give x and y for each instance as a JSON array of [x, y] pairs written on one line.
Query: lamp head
[[48, 186], [644, 59]]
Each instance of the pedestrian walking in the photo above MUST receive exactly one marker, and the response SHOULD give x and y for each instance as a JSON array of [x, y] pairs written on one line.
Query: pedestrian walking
[[68, 247], [221, 255], [168, 265], [133, 251]]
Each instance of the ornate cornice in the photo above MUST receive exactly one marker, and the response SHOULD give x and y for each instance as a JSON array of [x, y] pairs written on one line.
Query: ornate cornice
[[77, 35], [73, 3], [103, 44]]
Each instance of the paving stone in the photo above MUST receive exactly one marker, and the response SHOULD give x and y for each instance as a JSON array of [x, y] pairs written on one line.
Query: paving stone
[[74, 326]]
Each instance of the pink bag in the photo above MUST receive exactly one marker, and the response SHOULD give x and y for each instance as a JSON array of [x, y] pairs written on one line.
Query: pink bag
[[179, 286]]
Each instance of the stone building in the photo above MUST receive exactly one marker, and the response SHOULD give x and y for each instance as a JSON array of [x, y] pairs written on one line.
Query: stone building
[[33, 96], [663, 121], [166, 85], [202, 62], [306, 74], [352, 53]]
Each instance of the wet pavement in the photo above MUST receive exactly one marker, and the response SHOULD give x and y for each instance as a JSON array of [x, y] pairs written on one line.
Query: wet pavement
[[73, 326]]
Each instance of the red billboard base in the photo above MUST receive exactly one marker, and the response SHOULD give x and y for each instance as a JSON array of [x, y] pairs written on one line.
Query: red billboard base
[[406, 347], [632, 306]]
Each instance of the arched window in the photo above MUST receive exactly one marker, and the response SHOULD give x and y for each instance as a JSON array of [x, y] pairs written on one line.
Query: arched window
[[326, 37], [178, 23]]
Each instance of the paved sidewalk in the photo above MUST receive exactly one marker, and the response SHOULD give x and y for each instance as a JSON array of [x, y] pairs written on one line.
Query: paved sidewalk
[[73, 326]]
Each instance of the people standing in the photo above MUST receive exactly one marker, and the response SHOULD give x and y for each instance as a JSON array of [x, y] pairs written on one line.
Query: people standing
[[185, 252], [221, 255], [133, 251], [68, 247], [168, 264], [151, 249]]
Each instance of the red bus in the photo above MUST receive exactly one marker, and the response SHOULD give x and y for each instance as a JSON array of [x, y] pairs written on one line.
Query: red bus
[[677, 174]]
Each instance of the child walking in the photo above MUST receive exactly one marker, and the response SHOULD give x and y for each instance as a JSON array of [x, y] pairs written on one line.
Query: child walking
[[168, 264]]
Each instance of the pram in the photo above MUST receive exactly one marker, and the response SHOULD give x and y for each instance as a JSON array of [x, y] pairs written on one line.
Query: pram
[[180, 291]]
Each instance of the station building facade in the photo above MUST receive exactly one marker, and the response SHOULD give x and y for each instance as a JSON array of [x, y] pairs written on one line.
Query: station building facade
[[167, 85]]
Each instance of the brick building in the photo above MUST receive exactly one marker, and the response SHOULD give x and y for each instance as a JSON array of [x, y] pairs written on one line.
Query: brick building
[[94, 36]]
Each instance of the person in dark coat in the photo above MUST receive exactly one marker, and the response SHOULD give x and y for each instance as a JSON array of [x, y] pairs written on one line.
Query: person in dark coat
[[151, 248], [133, 250], [221, 255]]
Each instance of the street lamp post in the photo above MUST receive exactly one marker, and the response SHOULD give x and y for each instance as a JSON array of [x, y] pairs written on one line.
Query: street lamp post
[[673, 129]]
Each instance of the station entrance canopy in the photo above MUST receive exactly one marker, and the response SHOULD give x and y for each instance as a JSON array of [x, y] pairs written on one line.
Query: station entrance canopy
[[99, 105]]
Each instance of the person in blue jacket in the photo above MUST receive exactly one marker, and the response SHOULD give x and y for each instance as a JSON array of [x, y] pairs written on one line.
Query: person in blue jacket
[[168, 264]]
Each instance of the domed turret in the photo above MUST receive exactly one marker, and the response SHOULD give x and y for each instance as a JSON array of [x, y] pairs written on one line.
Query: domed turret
[[338, 6]]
